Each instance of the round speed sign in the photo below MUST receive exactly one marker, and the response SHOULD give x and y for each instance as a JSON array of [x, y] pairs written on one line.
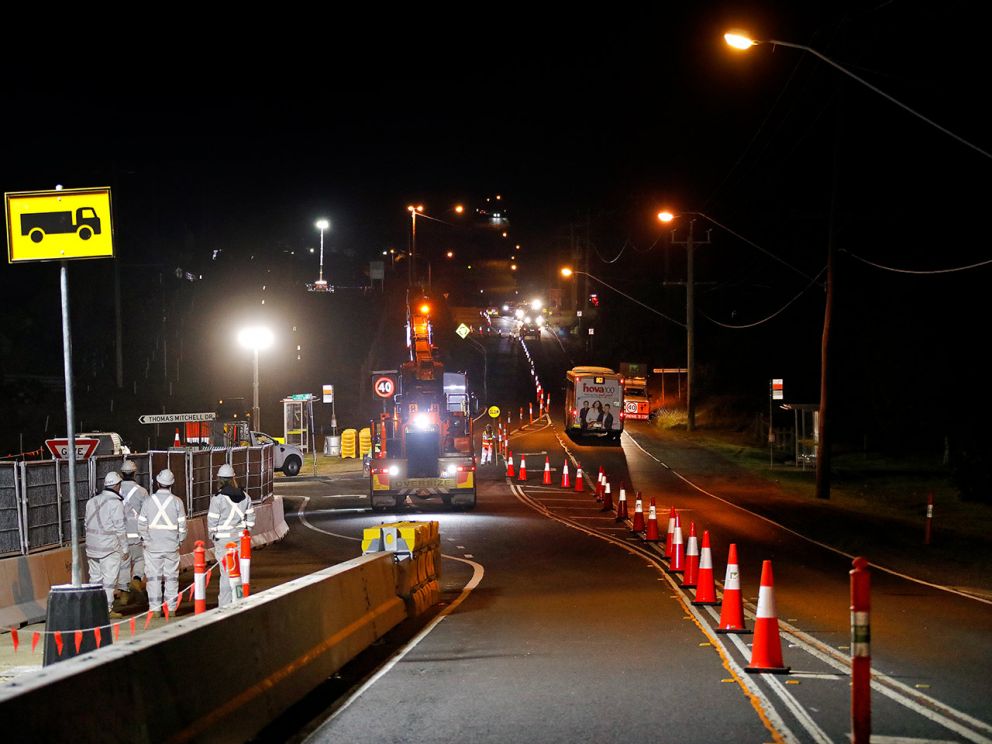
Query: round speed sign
[[493, 412], [384, 387]]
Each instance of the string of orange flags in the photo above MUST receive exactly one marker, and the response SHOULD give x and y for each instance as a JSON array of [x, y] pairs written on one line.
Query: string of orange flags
[[113, 628]]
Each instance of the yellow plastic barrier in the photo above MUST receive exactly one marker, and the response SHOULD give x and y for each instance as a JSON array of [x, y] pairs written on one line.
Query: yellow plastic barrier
[[417, 553], [364, 441], [348, 443]]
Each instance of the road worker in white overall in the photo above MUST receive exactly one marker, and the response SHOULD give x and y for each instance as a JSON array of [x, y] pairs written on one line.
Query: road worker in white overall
[[162, 526], [133, 494], [230, 513], [106, 537]]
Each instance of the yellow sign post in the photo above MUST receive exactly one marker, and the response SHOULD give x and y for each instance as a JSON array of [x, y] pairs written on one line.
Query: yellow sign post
[[493, 412], [59, 225]]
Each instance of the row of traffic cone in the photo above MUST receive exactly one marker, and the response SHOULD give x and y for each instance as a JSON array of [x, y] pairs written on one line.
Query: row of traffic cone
[[695, 564]]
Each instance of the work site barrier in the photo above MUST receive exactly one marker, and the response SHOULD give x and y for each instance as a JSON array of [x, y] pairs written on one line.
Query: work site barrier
[[348, 443], [34, 496], [302, 632]]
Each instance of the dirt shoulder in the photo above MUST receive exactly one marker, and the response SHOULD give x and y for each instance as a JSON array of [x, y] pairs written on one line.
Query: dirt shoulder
[[877, 505]]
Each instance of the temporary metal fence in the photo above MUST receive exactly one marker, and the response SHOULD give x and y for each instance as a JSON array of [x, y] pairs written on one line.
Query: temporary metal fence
[[34, 496]]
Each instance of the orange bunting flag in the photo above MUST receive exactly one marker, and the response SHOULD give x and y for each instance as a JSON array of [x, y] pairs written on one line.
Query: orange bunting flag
[[14, 639], [133, 622], [117, 631], [210, 572], [179, 601], [148, 619], [58, 641], [35, 637], [165, 610], [78, 636], [97, 636]]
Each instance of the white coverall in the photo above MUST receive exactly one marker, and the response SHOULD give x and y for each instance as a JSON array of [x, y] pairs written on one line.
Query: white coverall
[[134, 495], [162, 526], [227, 517], [106, 540]]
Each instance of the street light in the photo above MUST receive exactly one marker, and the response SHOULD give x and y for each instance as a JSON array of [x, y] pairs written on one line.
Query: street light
[[321, 284], [255, 338]]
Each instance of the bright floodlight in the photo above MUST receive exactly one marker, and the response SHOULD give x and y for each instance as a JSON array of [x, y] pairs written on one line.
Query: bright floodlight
[[738, 40], [322, 224], [256, 337], [422, 421], [666, 216], [536, 305]]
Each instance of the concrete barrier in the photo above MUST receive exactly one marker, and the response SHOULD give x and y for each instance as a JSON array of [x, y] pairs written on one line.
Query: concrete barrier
[[164, 685], [25, 580]]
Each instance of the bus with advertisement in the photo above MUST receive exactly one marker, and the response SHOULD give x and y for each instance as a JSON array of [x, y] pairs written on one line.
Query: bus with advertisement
[[594, 403]]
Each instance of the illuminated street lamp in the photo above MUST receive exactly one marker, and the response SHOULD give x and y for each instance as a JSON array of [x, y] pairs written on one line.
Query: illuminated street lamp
[[321, 284], [255, 338]]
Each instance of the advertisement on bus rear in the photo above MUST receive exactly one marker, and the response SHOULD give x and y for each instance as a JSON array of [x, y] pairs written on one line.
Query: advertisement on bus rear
[[598, 402]]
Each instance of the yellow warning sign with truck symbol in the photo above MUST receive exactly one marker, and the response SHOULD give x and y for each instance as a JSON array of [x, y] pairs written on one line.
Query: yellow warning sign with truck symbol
[[59, 225]]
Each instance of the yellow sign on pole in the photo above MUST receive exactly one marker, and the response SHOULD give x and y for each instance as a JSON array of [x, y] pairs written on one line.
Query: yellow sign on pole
[[59, 225], [493, 412]]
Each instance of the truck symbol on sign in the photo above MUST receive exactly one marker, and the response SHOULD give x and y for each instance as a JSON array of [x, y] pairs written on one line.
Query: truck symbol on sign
[[84, 223]]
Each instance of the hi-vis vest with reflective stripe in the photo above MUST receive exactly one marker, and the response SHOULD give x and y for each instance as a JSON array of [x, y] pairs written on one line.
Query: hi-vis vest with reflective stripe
[[162, 522], [134, 495], [227, 519], [104, 521]]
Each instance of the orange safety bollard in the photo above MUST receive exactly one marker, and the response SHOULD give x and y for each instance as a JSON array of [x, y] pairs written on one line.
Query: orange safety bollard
[[246, 563], [565, 482], [579, 484], [530, 410], [199, 578], [233, 570]]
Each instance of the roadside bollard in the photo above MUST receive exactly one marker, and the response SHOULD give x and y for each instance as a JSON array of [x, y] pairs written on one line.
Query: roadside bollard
[[245, 563], [530, 408], [860, 652], [928, 531], [199, 578], [233, 571]]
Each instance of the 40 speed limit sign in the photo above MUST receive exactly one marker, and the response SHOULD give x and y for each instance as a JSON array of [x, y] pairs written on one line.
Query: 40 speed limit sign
[[384, 387]]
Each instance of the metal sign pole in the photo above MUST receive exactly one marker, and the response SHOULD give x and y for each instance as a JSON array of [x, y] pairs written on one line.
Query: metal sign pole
[[70, 420]]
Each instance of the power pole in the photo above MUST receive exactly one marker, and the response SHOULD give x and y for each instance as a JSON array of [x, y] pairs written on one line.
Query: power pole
[[690, 324]]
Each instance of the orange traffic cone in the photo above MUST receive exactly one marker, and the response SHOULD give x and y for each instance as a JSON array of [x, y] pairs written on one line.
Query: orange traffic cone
[[564, 475], [622, 504], [677, 563], [732, 611], [509, 465], [651, 531], [607, 498], [176, 442], [691, 558], [579, 485], [522, 473], [600, 479], [671, 532], [233, 566], [705, 587], [766, 651], [637, 524], [547, 472]]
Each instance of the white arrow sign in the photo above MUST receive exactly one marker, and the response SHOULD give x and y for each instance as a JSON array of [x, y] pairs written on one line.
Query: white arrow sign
[[175, 418]]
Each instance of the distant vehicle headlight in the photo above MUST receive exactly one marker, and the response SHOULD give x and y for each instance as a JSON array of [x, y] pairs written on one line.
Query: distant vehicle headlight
[[422, 421], [518, 313], [528, 320], [394, 470], [540, 320], [450, 470]]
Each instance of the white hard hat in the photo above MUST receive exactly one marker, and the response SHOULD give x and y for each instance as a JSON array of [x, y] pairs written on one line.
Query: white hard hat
[[111, 479], [129, 467], [165, 478], [225, 471]]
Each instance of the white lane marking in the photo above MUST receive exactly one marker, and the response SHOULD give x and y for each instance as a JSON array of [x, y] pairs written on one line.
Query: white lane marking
[[477, 573], [832, 549], [301, 512]]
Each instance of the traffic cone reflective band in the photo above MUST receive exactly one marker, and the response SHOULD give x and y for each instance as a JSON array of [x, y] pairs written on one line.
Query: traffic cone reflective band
[[600, 480], [233, 570], [509, 464], [691, 558], [670, 533], [637, 524], [579, 485], [705, 586], [677, 563], [766, 651], [176, 442], [547, 472], [732, 611], [522, 475], [199, 578], [245, 563], [651, 531], [607, 497], [622, 504], [564, 475]]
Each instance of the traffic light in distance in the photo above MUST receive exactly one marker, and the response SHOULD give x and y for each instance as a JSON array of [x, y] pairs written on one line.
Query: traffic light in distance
[[594, 299]]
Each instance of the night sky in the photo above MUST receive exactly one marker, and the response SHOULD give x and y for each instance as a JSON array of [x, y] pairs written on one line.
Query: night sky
[[234, 136]]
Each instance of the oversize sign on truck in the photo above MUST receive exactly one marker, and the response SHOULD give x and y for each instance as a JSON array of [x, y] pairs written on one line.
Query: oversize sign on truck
[[59, 225]]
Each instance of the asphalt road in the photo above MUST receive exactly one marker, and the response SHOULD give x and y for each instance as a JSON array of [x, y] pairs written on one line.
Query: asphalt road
[[559, 625]]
